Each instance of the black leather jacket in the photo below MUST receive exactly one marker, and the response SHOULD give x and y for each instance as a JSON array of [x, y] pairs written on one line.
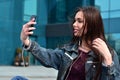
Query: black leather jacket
[[61, 60]]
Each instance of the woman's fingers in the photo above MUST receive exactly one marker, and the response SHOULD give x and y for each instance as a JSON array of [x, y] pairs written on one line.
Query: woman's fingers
[[27, 29]]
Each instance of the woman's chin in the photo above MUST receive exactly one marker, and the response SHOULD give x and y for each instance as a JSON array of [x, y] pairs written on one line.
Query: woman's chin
[[76, 35]]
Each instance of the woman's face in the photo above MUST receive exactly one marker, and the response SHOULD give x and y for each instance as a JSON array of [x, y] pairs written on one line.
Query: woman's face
[[78, 24]]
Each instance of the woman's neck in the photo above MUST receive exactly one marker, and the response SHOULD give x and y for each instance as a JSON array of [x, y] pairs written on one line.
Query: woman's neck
[[84, 47]]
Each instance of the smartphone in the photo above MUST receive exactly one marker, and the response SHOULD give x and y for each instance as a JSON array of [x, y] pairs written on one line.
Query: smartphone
[[32, 25], [33, 16]]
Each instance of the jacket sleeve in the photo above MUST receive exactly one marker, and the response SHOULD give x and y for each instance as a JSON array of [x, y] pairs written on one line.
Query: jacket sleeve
[[47, 57], [111, 72]]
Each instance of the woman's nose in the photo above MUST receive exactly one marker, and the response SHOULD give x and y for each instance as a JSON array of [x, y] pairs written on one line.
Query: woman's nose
[[74, 24]]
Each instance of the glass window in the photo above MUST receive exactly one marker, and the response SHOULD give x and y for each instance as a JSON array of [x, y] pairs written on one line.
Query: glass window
[[103, 4], [59, 11], [114, 4], [108, 8], [30, 8]]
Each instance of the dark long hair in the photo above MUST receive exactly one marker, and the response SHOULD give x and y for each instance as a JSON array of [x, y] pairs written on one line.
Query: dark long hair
[[95, 29]]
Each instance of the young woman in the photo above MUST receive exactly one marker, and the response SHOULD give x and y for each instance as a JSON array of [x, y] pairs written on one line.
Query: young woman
[[87, 57]]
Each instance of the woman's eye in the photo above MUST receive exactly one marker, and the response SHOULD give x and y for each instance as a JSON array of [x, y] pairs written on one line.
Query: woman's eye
[[80, 21]]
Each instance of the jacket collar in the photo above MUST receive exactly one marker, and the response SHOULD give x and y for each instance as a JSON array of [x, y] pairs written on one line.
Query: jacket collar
[[71, 48], [92, 54], [74, 48]]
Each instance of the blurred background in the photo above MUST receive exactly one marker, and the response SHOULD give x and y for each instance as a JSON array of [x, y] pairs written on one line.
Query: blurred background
[[53, 24]]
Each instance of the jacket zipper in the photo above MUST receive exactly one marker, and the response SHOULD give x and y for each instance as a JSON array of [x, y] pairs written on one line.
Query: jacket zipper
[[72, 65]]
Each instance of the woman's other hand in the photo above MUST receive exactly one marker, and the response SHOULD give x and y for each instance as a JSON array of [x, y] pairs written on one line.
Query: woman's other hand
[[100, 45]]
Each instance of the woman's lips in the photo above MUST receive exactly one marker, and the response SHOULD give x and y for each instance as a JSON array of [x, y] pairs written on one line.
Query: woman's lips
[[75, 30]]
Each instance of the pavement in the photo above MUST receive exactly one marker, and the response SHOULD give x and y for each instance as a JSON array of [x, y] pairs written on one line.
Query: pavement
[[30, 72]]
